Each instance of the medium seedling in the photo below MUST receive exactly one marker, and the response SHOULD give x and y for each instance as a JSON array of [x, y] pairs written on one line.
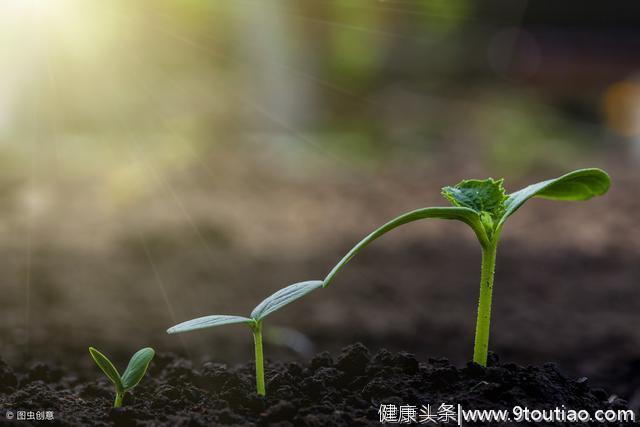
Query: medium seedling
[[485, 206], [273, 303], [132, 375]]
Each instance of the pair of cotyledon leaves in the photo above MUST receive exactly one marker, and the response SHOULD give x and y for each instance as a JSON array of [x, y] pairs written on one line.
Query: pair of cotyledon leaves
[[484, 205], [274, 302], [136, 368], [481, 204]]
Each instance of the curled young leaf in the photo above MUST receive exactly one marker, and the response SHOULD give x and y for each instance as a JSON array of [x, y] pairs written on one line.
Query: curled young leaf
[[107, 367], [207, 322], [283, 297], [464, 214], [137, 367], [486, 195], [581, 184]]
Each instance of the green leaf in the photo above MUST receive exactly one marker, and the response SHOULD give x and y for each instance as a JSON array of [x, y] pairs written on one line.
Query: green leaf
[[486, 195], [107, 367], [207, 322], [283, 297], [137, 367], [581, 184], [464, 214]]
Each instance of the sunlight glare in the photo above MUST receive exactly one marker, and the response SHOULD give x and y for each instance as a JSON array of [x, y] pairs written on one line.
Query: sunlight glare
[[41, 41]]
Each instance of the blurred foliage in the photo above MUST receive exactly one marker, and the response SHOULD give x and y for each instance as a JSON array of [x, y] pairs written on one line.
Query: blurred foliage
[[523, 137], [445, 16], [366, 82], [355, 56]]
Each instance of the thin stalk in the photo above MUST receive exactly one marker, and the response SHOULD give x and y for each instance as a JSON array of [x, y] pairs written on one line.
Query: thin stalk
[[119, 396], [483, 322], [257, 340]]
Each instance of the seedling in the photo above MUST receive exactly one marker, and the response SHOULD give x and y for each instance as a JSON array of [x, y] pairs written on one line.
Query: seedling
[[273, 303], [132, 375], [484, 206]]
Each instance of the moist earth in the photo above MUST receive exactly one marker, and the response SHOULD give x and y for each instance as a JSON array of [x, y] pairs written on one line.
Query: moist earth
[[346, 390]]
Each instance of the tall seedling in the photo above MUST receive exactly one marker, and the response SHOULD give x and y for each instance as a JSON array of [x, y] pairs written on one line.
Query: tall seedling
[[485, 206]]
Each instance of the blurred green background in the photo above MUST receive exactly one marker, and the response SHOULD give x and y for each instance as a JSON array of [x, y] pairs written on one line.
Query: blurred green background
[[161, 160]]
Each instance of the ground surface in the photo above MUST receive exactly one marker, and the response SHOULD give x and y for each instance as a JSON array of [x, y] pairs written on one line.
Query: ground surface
[[343, 391]]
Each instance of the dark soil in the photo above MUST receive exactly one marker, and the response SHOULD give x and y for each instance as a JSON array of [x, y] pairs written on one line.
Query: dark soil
[[345, 391]]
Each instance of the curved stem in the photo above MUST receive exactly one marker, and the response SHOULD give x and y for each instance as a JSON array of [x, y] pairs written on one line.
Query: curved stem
[[465, 215], [257, 341], [483, 322], [119, 396]]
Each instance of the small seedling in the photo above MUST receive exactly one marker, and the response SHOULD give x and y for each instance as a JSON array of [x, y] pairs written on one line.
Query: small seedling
[[273, 303], [132, 375], [485, 206]]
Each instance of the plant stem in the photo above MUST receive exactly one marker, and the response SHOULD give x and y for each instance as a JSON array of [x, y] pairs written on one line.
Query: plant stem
[[119, 397], [257, 340], [483, 322]]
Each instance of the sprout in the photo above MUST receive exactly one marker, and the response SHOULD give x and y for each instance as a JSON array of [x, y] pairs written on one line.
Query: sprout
[[484, 206], [132, 375], [273, 303]]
